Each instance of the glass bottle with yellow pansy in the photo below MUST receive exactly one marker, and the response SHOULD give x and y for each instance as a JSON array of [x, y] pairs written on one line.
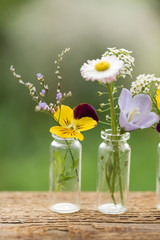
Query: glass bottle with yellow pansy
[[66, 150]]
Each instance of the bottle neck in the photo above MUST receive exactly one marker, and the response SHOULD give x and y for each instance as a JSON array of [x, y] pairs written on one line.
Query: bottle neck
[[107, 136], [63, 140]]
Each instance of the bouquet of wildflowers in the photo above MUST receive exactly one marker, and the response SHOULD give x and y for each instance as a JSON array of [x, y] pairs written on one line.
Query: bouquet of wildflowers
[[150, 85], [133, 109], [69, 122]]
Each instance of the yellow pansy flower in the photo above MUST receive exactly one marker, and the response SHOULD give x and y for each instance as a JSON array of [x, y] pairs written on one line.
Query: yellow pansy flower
[[158, 98], [83, 117]]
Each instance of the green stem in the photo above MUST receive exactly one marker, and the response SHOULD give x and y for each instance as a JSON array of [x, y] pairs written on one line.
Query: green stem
[[154, 102], [68, 148], [112, 194], [113, 115], [115, 153]]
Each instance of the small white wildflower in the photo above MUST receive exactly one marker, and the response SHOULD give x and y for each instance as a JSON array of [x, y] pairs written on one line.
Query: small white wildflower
[[37, 108], [16, 75], [21, 82], [35, 98], [69, 94], [51, 105], [33, 89], [12, 68], [138, 89], [146, 90], [125, 51], [46, 87], [132, 90], [32, 94], [143, 83], [52, 111], [42, 95], [29, 85]]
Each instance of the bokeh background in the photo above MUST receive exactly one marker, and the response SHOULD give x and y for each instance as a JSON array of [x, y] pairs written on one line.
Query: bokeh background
[[32, 33]]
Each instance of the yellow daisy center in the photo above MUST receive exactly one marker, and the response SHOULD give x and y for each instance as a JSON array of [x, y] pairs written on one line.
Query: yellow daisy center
[[102, 66]]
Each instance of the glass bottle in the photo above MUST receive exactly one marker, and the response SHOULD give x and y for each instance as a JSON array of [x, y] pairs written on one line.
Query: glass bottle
[[65, 175], [113, 172], [158, 179]]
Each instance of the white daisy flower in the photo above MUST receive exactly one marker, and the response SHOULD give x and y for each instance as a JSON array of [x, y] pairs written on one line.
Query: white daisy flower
[[104, 70]]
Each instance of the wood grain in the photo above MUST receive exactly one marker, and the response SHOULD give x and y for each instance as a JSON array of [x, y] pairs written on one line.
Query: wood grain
[[25, 215]]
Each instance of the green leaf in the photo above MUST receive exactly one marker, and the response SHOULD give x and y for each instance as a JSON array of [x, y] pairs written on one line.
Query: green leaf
[[59, 162], [63, 174], [64, 179], [75, 164]]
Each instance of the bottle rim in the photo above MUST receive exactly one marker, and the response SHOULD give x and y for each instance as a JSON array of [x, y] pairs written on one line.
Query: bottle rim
[[107, 135], [62, 139]]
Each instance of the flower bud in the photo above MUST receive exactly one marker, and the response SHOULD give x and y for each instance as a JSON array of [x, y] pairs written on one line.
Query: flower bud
[[100, 93], [37, 108], [102, 105], [99, 110]]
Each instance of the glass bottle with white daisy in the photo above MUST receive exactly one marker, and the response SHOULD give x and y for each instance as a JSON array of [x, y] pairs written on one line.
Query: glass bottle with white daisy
[[124, 116]]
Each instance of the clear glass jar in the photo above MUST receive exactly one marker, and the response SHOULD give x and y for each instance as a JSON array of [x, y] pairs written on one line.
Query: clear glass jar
[[113, 172], [158, 179], [65, 175]]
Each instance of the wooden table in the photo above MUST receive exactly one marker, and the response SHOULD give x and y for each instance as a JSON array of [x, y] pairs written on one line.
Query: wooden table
[[24, 215]]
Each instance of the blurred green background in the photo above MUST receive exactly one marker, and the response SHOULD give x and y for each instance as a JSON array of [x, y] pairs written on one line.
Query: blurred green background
[[32, 33]]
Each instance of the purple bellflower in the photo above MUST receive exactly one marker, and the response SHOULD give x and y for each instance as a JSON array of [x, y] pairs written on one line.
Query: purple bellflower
[[135, 112]]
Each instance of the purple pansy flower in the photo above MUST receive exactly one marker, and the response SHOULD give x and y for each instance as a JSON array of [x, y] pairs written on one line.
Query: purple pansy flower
[[85, 110], [135, 112], [158, 127]]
